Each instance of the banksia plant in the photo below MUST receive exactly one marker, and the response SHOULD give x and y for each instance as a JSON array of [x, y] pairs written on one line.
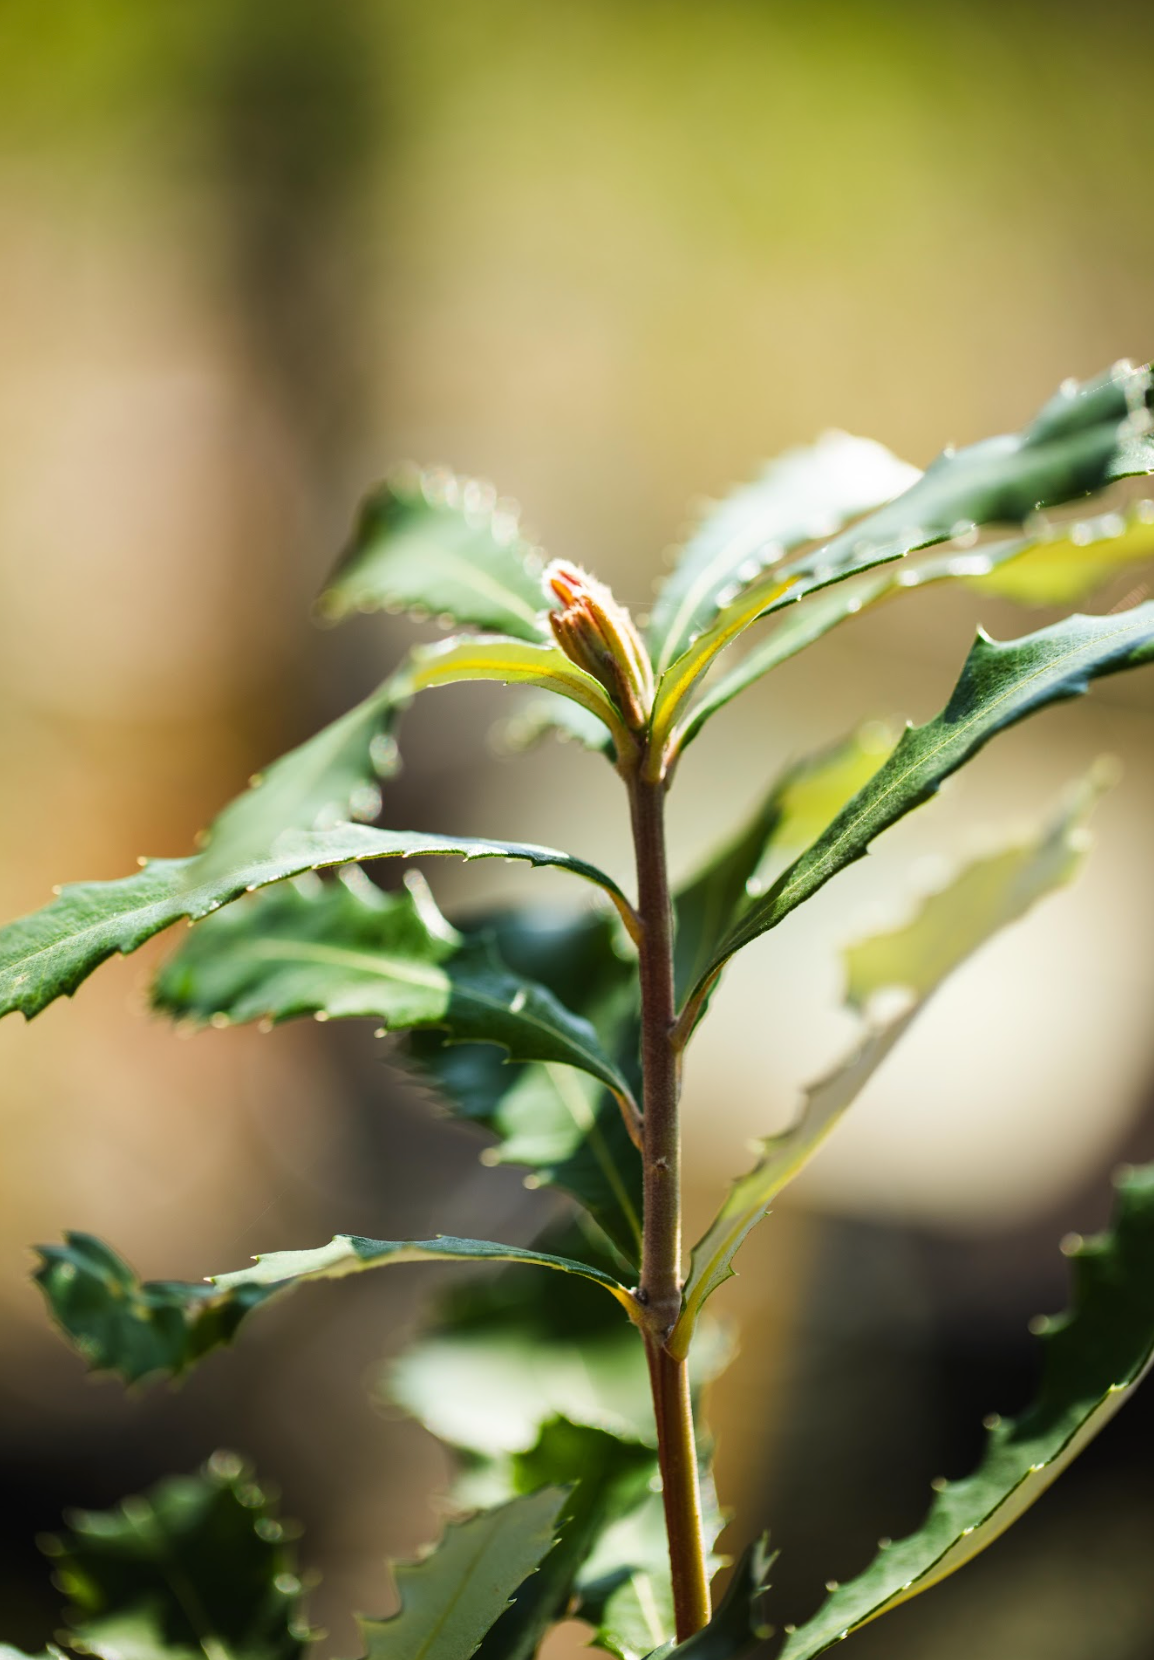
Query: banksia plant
[[597, 1501]]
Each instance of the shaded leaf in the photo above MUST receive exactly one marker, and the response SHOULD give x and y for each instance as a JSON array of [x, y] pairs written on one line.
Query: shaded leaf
[[120, 1324], [948, 927], [806, 493], [794, 811], [47, 954], [737, 1626], [136, 1328], [453, 1596], [1001, 683], [344, 949], [428, 542], [197, 1566], [1093, 1357], [607, 1476], [558, 1123]]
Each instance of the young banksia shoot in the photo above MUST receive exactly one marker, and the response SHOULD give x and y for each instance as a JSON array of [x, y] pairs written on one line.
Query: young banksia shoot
[[597, 633]]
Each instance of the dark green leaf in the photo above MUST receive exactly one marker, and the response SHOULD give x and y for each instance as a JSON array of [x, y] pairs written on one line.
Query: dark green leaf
[[344, 949], [558, 1123], [737, 1626], [135, 1329], [607, 1477], [1094, 1357], [452, 1597], [1001, 683], [437, 545], [795, 810], [47, 954], [915, 960], [119, 1323], [198, 1566], [804, 494]]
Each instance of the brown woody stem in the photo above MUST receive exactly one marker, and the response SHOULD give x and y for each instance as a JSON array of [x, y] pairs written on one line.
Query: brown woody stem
[[659, 1290]]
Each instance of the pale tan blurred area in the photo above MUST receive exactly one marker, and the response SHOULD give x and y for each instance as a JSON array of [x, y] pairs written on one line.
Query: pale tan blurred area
[[611, 256]]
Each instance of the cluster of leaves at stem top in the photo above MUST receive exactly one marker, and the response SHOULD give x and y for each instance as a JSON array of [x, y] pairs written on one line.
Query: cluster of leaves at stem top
[[525, 1023]]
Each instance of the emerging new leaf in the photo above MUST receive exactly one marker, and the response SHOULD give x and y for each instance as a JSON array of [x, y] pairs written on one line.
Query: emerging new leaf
[[597, 634]]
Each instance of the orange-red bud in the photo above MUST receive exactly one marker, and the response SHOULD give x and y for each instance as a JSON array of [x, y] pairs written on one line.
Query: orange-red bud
[[598, 634]]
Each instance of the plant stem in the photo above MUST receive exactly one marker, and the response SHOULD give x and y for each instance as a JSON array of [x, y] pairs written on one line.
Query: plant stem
[[659, 1290]]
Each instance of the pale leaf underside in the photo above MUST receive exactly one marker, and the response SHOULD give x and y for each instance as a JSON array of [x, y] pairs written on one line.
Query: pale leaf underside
[[915, 960]]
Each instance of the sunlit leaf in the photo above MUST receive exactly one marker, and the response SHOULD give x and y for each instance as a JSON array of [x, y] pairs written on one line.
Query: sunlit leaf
[[1049, 568], [1067, 566], [344, 949], [453, 1596], [1084, 438], [558, 1123], [47, 954], [948, 927], [470, 657], [120, 1324], [197, 1566], [796, 808], [804, 494], [1093, 1357], [1001, 683], [443, 546]]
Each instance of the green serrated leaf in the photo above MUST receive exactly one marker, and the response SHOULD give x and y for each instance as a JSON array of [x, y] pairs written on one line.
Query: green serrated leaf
[[796, 808], [607, 1476], [1084, 438], [1094, 1357], [1051, 568], [344, 949], [136, 1328], [331, 778], [199, 1566], [47, 954], [428, 542], [806, 493], [1001, 683], [452, 1597], [558, 1123], [914, 960], [120, 1324], [470, 657]]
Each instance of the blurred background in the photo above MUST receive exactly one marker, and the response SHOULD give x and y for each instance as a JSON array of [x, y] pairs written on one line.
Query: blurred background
[[611, 255]]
